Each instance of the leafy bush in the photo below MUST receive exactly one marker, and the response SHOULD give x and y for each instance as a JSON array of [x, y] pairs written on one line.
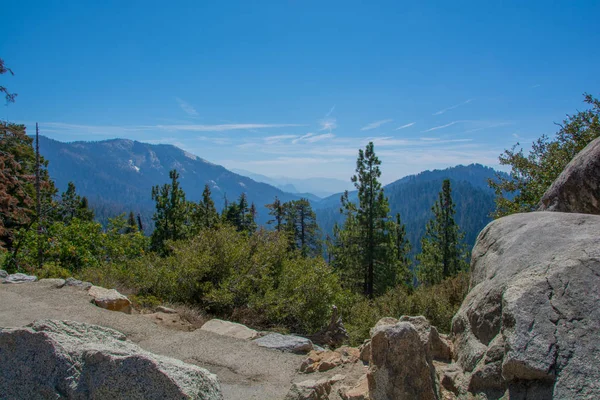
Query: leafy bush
[[438, 303]]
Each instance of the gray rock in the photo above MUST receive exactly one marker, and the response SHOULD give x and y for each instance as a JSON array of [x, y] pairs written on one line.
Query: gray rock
[[577, 188], [530, 322], [286, 343], [400, 366], [166, 310], [439, 347], [52, 282], [3, 274], [19, 278], [73, 360], [77, 283], [231, 329]]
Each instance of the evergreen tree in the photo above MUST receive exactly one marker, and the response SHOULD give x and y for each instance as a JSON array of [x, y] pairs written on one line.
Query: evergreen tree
[[443, 253], [204, 213], [402, 250], [300, 224], [241, 215], [131, 224], [84, 212], [139, 222], [367, 229], [170, 218], [277, 212]]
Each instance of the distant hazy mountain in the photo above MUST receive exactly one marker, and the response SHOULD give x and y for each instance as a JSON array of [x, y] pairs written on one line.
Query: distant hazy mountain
[[414, 195], [117, 175], [321, 187]]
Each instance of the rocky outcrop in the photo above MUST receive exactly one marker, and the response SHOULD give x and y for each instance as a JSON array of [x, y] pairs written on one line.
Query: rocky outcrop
[[324, 360], [230, 329], [110, 299], [77, 283], [577, 189], [18, 278], [3, 274], [312, 389], [529, 326], [73, 360], [285, 343], [401, 366]]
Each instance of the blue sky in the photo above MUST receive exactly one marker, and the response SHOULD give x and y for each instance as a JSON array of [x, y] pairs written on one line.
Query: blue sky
[[294, 88]]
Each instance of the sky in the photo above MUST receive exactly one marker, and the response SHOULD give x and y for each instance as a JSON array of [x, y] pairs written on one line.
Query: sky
[[295, 88]]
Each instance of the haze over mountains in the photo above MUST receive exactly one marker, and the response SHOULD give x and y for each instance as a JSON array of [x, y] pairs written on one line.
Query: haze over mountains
[[117, 176]]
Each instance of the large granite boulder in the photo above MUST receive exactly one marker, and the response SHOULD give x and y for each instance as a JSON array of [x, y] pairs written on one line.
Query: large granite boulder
[[231, 329], [529, 326], [73, 360], [577, 189]]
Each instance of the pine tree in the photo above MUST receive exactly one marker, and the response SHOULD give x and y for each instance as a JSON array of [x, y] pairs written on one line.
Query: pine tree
[[131, 224], [367, 230], [402, 249], [300, 224], [204, 214], [171, 213], [443, 252], [84, 212], [277, 212]]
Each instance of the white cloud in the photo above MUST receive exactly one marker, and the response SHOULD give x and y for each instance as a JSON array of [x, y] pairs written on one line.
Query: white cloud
[[318, 138], [452, 107], [330, 111], [376, 124], [278, 138], [218, 128], [327, 124], [435, 128], [405, 126], [301, 161], [187, 107]]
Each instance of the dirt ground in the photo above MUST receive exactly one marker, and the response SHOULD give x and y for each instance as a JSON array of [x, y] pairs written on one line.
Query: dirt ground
[[245, 370]]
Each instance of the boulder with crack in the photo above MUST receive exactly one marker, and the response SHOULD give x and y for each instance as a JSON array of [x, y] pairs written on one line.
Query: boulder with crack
[[74, 360], [110, 299], [529, 325]]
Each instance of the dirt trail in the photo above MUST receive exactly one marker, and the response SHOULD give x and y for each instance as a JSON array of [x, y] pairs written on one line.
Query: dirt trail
[[245, 370]]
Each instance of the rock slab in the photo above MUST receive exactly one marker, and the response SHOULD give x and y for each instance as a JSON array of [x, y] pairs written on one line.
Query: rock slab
[[74, 360], [110, 299], [230, 329], [285, 343], [529, 326], [19, 278], [577, 188]]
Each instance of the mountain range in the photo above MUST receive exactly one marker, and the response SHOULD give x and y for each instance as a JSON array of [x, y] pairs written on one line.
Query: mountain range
[[117, 176]]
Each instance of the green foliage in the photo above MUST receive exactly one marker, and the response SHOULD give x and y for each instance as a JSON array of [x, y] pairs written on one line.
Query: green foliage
[[79, 244], [438, 303], [367, 248], [300, 225], [532, 174], [240, 215], [307, 289], [443, 253], [204, 214], [170, 218], [17, 177]]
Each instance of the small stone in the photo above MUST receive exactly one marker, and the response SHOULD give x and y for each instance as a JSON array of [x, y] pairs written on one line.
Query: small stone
[[3, 274], [77, 283], [110, 299], [165, 310]]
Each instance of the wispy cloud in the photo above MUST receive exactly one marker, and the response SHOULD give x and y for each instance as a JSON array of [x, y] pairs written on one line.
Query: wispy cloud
[[318, 138], [452, 107], [376, 124], [435, 128], [187, 107], [278, 138], [490, 126], [301, 161], [330, 111], [327, 124], [405, 126], [219, 127], [534, 86]]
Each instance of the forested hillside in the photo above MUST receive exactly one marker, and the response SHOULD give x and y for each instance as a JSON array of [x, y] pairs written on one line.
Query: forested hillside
[[414, 195], [117, 176]]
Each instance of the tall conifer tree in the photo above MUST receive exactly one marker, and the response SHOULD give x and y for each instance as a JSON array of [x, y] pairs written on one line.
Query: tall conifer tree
[[443, 253]]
